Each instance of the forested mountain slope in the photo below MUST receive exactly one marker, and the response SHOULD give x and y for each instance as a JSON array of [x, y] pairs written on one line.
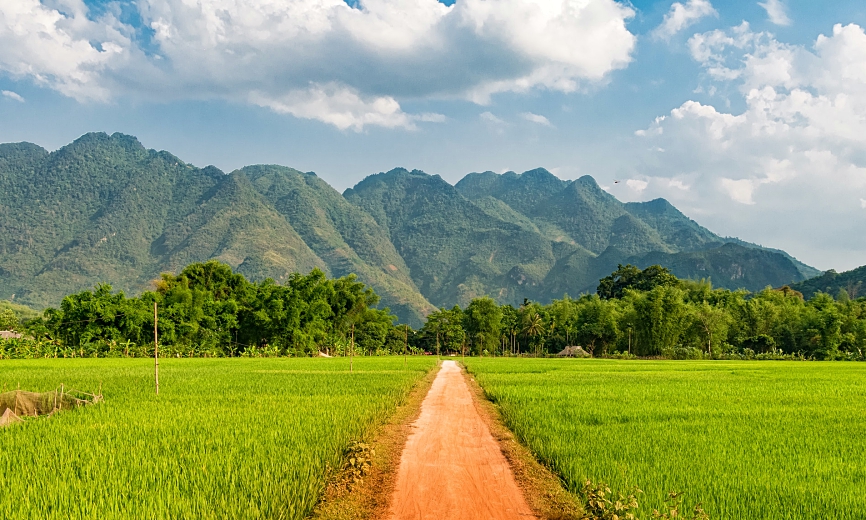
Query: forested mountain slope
[[853, 282], [105, 209], [455, 250]]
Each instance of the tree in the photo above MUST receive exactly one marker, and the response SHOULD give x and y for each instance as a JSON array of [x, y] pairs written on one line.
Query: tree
[[533, 328], [712, 322], [597, 324], [444, 330], [659, 323], [630, 277], [8, 320], [482, 321]]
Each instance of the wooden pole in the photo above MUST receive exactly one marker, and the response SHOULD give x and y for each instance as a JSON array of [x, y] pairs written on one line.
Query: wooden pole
[[406, 347], [352, 351], [155, 349]]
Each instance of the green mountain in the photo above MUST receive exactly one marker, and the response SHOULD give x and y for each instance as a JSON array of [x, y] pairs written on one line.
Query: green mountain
[[455, 250], [348, 239], [593, 232], [852, 282], [106, 209]]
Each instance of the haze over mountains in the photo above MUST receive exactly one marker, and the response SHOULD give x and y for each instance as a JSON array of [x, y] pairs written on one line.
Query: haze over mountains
[[105, 209]]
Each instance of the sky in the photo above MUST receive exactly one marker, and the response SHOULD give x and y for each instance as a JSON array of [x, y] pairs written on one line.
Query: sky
[[749, 116]]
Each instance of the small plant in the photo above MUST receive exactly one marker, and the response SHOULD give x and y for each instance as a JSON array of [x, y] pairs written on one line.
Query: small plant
[[672, 509], [359, 458], [599, 504]]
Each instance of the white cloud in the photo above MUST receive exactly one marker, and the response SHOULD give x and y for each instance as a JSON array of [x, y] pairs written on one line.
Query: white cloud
[[637, 184], [60, 47], [740, 190], [273, 51], [536, 118], [863, 203], [777, 12], [790, 168], [12, 95], [682, 16], [342, 107], [490, 118]]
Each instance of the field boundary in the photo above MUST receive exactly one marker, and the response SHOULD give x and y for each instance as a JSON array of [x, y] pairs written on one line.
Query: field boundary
[[370, 498], [542, 488]]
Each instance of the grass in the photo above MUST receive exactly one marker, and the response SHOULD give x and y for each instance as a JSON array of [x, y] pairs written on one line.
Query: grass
[[749, 440], [226, 438]]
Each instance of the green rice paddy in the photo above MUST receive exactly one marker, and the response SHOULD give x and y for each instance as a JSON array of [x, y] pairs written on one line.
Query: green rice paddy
[[226, 438], [749, 440]]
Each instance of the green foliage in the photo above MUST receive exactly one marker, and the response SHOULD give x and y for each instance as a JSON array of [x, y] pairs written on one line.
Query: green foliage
[[225, 439], [630, 277], [209, 310], [853, 283], [776, 439], [482, 321], [658, 315], [8, 320], [22, 312], [599, 503]]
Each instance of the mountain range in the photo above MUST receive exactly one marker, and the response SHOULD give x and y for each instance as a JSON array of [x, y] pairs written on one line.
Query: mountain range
[[106, 209]]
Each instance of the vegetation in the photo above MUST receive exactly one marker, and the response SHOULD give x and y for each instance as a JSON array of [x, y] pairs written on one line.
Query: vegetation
[[208, 310], [651, 313], [775, 440], [224, 439], [14, 313], [849, 284], [105, 209]]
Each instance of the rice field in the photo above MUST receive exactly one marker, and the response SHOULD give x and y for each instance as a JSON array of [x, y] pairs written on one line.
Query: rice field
[[225, 438], [749, 440]]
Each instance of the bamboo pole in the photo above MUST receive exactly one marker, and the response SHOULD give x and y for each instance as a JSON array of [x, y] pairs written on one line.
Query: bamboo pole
[[406, 347], [155, 349], [352, 352]]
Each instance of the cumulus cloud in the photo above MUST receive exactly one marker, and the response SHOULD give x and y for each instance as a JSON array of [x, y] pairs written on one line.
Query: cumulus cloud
[[682, 16], [12, 95], [790, 166], [777, 12], [60, 46], [536, 118], [320, 59]]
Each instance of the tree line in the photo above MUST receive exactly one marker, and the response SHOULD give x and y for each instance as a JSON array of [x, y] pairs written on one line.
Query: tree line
[[208, 310]]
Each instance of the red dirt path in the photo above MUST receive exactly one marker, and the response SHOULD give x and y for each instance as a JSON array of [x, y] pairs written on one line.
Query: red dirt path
[[452, 468]]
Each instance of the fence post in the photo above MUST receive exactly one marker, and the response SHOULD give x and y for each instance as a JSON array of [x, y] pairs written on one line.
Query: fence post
[[155, 349]]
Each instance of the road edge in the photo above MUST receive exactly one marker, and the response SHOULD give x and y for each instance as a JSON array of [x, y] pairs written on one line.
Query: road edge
[[371, 498], [541, 488]]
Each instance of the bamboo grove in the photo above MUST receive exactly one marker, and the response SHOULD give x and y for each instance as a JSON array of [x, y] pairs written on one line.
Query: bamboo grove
[[208, 310]]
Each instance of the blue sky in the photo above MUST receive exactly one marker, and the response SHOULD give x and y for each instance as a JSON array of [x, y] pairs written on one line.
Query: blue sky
[[750, 116]]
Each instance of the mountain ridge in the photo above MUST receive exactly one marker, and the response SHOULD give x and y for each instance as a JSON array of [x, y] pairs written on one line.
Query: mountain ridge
[[106, 209]]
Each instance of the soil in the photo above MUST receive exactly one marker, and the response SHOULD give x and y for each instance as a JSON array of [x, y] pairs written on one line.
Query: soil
[[446, 453], [542, 488], [369, 498], [452, 468]]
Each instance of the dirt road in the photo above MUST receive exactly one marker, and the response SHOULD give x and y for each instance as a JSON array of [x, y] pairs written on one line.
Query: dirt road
[[452, 468]]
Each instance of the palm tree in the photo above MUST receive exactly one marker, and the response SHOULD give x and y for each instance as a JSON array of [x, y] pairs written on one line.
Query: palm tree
[[534, 328]]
